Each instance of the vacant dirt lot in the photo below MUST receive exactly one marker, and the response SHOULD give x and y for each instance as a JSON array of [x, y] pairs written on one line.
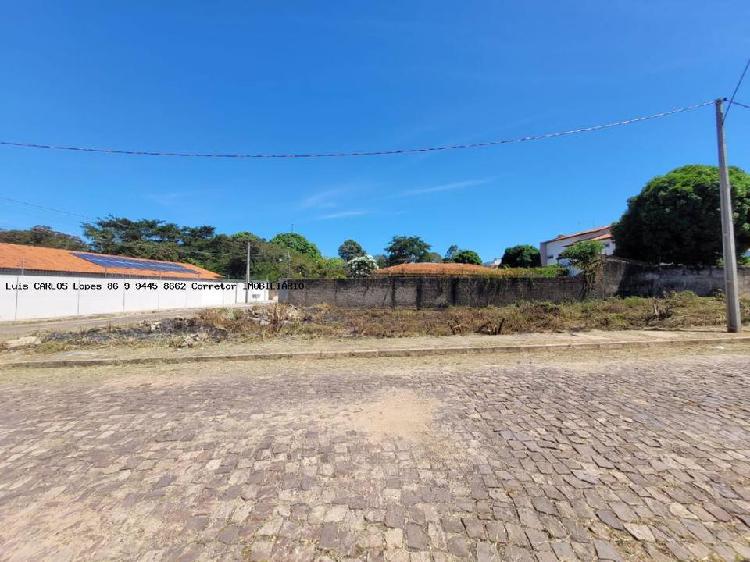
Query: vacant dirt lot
[[487, 457]]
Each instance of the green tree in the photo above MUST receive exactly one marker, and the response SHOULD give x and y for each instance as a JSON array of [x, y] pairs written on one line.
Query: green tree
[[350, 249], [467, 256], [146, 238], [585, 255], [297, 243], [41, 235], [432, 257], [200, 245], [675, 218], [451, 253], [406, 249], [523, 255]]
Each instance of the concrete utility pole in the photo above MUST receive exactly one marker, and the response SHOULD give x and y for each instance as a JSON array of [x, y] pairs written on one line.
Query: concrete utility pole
[[734, 322], [247, 275]]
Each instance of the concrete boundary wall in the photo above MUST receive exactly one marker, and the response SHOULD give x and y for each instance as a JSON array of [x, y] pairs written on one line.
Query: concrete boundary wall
[[31, 296], [619, 278], [431, 292], [629, 278]]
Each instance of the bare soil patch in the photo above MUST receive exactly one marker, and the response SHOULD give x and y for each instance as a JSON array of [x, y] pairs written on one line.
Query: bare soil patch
[[396, 412]]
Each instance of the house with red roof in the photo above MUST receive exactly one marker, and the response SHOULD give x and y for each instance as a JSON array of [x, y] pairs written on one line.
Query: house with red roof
[[38, 282]]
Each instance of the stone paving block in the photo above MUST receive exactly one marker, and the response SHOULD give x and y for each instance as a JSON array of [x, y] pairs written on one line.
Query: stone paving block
[[621, 461]]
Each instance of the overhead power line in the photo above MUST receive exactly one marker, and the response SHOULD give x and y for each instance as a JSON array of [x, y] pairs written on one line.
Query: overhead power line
[[746, 106], [387, 152], [736, 89], [51, 209]]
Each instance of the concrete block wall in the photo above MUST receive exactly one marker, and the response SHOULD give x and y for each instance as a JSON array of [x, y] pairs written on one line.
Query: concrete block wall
[[430, 292], [627, 278], [619, 278]]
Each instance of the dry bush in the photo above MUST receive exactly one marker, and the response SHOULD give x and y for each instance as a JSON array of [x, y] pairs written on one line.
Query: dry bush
[[676, 310]]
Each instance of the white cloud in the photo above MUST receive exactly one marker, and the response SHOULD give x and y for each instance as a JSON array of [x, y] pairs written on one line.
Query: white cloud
[[323, 199], [342, 215], [445, 187]]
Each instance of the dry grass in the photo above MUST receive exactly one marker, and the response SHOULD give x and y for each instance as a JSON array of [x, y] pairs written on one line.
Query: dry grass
[[679, 310]]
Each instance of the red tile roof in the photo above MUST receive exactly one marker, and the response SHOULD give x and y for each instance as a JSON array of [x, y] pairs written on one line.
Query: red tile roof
[[37, 258], [582, 233], [606, 236]]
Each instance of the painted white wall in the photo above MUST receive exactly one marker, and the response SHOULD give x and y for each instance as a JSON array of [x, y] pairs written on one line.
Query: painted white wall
[[25, 297]]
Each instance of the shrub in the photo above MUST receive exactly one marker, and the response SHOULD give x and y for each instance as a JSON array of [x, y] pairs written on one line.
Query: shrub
[[362, 266], [467, 256], [523, 255]]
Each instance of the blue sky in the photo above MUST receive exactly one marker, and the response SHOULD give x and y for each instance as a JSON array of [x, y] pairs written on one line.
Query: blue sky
[[311, 76]]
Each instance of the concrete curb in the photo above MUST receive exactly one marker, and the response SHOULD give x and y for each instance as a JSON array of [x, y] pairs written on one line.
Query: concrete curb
[[403, 352]]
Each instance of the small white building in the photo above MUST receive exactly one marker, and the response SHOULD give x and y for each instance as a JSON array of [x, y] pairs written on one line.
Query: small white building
[[550, 250]]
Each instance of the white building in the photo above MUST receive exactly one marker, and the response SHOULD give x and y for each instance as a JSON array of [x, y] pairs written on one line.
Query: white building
[[551, 249], [37, 282]]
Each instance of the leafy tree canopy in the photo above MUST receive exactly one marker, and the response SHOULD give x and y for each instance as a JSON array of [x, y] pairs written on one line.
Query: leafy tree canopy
[[451, 253], [381, 260], [523, 255], [41, 235], [407, 249], [297, 243], [467, 256], [200, 245], [675, 218], [584, 254], [350, 249]]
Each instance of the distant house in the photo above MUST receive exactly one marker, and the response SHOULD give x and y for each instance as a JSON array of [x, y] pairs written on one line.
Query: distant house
[[497, 262], [551, 249]]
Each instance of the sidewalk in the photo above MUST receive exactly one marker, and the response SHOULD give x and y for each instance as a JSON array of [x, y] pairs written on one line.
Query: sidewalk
[[320, 348]]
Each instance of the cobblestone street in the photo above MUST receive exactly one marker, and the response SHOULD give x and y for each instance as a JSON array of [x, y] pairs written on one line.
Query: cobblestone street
[[440, 459]]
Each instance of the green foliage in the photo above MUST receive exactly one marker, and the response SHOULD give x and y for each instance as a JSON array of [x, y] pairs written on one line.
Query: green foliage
[[451, 253], [148, 238], [361, 266], [549, 271], [350, 249], [222, 253], [467, 256], [407, 249], [41, 235], [331, 268], [523, 255], [297, 243], [433, 257], [675, 218], [585, 255]]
